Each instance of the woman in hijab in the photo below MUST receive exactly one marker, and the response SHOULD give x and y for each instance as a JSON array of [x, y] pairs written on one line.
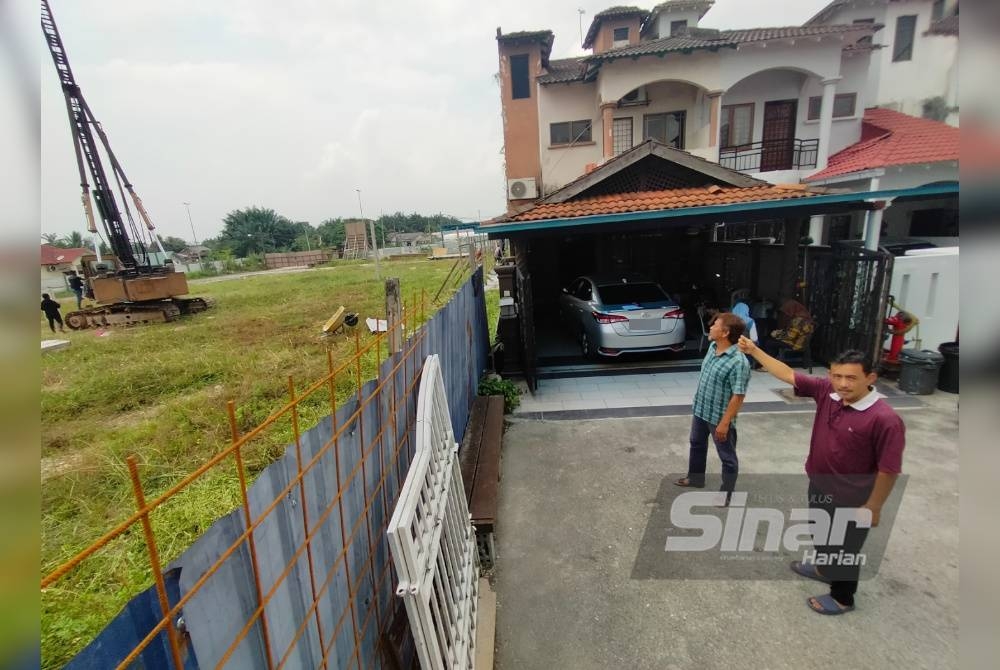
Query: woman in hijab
[[742, 310]]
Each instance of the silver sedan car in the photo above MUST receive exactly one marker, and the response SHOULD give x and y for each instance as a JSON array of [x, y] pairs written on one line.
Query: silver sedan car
[[614, 315]]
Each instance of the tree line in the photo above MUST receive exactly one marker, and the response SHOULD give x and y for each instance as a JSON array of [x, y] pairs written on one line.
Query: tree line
[[258, 230]]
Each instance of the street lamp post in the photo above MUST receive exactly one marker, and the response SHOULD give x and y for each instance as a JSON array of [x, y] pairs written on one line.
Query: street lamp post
[[191, 221]]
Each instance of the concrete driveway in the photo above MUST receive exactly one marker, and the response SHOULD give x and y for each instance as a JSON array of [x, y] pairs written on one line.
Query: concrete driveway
[[575, 501]]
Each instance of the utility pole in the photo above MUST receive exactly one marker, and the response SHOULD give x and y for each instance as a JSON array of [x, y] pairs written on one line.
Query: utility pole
[[581, 12], [191, 221]]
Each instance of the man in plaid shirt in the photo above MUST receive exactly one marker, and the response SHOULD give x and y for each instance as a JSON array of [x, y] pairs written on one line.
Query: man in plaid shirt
[[725, 373]]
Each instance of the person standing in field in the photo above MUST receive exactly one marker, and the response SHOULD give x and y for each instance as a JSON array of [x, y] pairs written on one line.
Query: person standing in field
[[51, 309]]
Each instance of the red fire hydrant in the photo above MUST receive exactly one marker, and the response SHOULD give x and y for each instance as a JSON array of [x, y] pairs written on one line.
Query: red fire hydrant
[[898, 325]]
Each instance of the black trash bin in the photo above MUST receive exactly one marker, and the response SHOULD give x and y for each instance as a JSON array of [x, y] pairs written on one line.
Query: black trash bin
[[919, 370], [948, 381]]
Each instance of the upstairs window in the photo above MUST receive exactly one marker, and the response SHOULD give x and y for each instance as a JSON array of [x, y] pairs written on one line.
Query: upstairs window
[[902, 43], [620, 35], [865, 41], [736, 125], [520, 81], [678, 27], [843, 105], [667, 128], [937, 10], [569, 132]]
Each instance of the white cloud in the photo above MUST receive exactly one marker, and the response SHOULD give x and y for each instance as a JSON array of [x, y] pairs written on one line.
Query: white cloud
[[295, 105]]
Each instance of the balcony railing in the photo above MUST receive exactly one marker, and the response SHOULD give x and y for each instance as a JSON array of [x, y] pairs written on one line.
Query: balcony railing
[[770, 155]]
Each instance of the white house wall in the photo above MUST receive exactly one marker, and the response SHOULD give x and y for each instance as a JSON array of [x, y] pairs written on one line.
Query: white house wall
[[664, 20], [927, 286], [906, 84], [567, 102]]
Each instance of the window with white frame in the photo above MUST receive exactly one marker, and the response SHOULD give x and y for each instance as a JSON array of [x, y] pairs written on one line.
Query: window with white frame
[[736, 125], [569, 132], [843, 105], [621, 135]]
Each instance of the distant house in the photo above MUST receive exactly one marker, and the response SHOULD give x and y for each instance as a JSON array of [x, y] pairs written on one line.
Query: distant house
[[192, 254], [56, 262], [411, 239]]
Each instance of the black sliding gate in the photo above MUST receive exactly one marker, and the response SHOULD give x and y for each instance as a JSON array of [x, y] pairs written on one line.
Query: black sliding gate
[[848, 295]]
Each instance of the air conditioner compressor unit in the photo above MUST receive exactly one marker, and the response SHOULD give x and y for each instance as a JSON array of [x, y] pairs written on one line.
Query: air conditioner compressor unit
[[523, 188]]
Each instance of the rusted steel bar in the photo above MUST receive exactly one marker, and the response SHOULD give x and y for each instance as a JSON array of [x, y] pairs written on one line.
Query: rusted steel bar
[[303, 505], [154, 562], [248, 519]]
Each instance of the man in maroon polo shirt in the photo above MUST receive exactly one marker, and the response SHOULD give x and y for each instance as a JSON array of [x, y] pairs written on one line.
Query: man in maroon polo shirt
[[855, 455]]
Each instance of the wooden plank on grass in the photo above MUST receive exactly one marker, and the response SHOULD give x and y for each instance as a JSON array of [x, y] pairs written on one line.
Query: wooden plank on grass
[[487, 485]]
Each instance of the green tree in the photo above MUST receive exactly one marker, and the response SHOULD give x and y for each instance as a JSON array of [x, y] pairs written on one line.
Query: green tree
[[74, 240], [174, 244], [50, 238], [257, 230]]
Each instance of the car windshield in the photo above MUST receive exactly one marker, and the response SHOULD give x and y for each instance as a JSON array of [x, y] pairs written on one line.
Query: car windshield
[[627, 294]]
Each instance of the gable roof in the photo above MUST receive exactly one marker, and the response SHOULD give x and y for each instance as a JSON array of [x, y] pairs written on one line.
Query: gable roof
[[652, 177], [58, 256], [713, 172], [704, 38], [892, 138], [612, 12], [664, 199]]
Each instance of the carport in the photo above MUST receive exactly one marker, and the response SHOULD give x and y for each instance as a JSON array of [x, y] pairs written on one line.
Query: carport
[[656, 211]]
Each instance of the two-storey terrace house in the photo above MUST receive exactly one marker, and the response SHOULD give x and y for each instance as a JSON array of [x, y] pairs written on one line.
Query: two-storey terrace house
[[773, 103]]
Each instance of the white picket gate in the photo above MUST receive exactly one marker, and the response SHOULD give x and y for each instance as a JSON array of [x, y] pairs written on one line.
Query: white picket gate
[[432, 539]]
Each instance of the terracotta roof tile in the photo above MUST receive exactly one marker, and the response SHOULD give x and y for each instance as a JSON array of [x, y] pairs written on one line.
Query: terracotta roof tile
[[57, 255], [645, 201], [564, 70], [892, 138], [704, 38]]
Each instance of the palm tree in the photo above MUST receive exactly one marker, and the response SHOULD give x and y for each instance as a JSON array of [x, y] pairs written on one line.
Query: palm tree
[[74, 240], [50, 238]]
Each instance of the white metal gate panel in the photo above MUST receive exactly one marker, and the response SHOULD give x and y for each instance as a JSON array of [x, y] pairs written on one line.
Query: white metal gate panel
[[432, 539]]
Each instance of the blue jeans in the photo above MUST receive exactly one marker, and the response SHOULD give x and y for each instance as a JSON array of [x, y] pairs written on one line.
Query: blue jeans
[[700, 432]]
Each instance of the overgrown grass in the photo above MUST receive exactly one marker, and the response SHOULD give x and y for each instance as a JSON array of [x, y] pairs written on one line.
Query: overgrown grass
[[159, 393]]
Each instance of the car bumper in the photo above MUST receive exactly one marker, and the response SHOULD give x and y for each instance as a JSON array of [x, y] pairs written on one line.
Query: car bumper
[[612, 344]]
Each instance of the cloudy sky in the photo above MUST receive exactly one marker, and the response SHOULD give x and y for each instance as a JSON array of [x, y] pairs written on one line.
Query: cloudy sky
[[294, 105]]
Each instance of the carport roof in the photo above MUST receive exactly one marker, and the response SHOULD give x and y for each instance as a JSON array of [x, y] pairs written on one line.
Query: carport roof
[[772, 206], [643, 201]]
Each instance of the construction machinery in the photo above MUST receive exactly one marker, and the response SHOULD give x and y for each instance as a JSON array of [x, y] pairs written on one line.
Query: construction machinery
[[129, 286]]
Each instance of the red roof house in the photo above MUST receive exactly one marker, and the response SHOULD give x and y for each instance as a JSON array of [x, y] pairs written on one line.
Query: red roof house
[[890, 138]]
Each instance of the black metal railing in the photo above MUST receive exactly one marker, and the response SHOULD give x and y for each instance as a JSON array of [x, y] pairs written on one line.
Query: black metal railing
[[770, 155]]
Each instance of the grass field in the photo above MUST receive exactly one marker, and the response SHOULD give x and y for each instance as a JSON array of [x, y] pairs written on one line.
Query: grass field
[[159, 392]]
